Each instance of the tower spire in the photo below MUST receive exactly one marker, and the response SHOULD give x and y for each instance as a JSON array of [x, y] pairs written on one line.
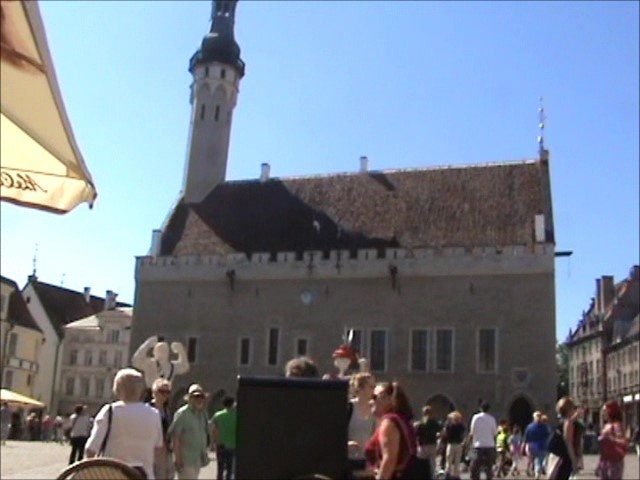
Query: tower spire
[[33, 275]]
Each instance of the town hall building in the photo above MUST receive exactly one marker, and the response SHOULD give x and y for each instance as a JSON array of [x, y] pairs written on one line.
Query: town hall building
[[444, 274]]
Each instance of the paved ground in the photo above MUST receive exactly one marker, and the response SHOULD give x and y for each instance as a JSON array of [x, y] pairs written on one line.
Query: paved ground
[[40, 460]]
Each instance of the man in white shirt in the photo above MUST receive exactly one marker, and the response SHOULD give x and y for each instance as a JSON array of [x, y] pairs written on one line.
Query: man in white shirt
[[483, 437]]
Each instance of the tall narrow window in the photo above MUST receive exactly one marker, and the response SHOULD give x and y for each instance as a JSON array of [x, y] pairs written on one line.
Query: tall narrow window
[[302, 345], [378, 350], [444, 350], [192, 347], [84, 387], [202, 112], [117, 359], [245, 351], [99, 387], [216, 115], [206, 71], [223, 73], [357, 341], [102, 358], [13, 344], [88, 358], [419, 350], [487, 351], [73, 357], [69, 386], [272, 357]]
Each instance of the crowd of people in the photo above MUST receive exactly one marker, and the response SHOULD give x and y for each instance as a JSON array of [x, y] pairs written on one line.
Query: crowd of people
[[385, 441], [32, 424]]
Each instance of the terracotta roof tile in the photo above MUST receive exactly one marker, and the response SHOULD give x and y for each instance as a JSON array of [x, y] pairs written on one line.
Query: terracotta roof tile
[[486, 205]]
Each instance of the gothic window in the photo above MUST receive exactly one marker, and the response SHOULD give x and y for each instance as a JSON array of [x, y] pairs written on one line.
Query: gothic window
[[245, 351], [419, 350], [192, 349], [272, 354], [487, 350], [444, 350], [216, 115], [378, 350], [302, 347], [223, 73], [202, 112]]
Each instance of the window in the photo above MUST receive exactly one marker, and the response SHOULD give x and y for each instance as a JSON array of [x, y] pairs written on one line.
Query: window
[[8, 378], [113, 336], [3, 302], [69, 386], [201, 112], [29, 380], [444, 350], [84, 387], [378, 350], [73, 357], [206, 71], [13, 344], [216, 115], [357, 341], [102, 358], [272, 353], [117, 359], [223, 73], [487, 350], [88, 358], [302, 345], [192, 349], [99, 387], [419, 350], [245, 351]]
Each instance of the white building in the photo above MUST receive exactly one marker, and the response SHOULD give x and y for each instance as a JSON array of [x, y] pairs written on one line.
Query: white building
[[93, 349]]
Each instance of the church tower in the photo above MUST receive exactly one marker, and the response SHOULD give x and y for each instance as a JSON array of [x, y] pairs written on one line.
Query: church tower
[[217, 69]]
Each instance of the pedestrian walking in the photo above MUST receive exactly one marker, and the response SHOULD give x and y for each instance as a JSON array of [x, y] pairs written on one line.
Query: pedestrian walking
[[362, 423], [563, 458], [536, 436], [454, 433], [483, 433], [613, 443], [427, 430], [79, 433], [224, 438], [127, 429], [515, 446], [190, 437], [163, 462]]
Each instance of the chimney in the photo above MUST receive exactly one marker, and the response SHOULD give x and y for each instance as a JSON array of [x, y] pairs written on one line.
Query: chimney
[[607, 291], [634, 273], [599, 308], [156, 240], [110, 300], [364, 164], [265, 169], [87, 294]]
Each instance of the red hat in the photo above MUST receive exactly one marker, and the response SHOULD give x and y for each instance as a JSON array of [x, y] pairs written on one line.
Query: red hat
[[345, 351]]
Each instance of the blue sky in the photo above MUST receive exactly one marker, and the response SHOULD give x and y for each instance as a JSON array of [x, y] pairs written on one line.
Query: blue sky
[[409, 84]]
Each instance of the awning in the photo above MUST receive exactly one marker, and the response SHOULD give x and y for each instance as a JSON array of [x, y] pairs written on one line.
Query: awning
[[41, 165], [17, 399]]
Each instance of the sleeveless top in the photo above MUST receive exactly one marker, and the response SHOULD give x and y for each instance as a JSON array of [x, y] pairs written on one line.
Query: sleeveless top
[[407, 447], [360, 430]]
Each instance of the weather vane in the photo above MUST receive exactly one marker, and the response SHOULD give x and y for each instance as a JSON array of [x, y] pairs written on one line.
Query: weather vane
[[542, 118], [35, 260]]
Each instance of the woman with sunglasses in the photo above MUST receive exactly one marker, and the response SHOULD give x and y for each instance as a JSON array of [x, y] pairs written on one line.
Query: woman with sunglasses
[[393, 444]]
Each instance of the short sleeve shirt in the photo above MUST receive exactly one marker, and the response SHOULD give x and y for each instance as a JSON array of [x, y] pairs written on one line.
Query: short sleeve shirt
[[190, 425], [225, 422]]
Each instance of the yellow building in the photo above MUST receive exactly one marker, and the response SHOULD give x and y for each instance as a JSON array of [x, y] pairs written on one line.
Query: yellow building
[[20, 340]]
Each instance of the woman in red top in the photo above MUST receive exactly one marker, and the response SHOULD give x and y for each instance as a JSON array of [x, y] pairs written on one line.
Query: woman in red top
[[389, 449]]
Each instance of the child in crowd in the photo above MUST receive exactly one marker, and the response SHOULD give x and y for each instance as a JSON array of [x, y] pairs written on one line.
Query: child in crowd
[[515, 444]]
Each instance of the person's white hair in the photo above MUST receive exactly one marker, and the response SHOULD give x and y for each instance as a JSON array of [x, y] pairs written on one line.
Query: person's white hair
[[128, 385]]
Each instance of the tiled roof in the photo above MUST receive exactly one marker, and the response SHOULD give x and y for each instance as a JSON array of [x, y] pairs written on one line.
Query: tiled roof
[[19, 313], [485, 205], [64, 306]]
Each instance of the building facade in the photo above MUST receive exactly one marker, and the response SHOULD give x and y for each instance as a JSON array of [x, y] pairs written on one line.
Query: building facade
[[93, 350], [21, 339], [604, 349], [52, 307], [445, 275]]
